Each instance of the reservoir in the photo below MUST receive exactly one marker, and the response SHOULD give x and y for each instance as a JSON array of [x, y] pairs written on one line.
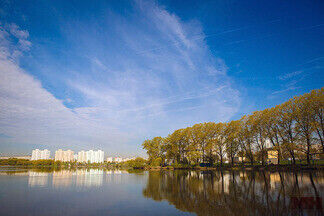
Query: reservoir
[[178, 192]]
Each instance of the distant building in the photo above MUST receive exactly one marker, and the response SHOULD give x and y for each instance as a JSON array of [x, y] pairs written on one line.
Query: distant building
[[118, 159], [82, 157], [91, 156], [18, 157], [239, 159], [98, 157], [40, 154], [65, 156], [272, 157]]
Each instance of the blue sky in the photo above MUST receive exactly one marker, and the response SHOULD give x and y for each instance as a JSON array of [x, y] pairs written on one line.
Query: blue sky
[[80, 75]]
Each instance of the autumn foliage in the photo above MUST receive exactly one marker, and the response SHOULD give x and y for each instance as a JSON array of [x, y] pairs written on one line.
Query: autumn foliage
[[294, 129]]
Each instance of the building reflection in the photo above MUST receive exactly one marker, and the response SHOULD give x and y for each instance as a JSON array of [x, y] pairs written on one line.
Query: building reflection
[[38, 179], [238, 193], [14, 173], [89, 178], [77, 178], [115, 176], [62, 178]]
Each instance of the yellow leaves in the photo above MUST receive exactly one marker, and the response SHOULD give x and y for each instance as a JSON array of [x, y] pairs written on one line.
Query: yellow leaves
[[288, 124]]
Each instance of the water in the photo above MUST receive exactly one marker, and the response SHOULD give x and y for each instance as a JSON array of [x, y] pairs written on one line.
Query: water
[[118, 192]]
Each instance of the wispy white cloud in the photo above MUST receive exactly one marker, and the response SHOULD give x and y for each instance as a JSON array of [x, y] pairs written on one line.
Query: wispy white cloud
[[290, 75], [149, 82], [285, 90], [124, 101], [160, 81], [31, 115]]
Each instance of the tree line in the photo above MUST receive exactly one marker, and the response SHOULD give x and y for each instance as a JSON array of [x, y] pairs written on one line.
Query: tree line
[[137, 163], [293, 129]]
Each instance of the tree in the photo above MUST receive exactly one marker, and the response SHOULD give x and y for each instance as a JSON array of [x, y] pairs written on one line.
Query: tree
[[211, 134], [317, 105], [286, 124], [231, 133], [177, 145], [220, 141], [246, 138], [270, 119], [154, 148], [203, 137], [304, 118], [257, 125], [137, 163]]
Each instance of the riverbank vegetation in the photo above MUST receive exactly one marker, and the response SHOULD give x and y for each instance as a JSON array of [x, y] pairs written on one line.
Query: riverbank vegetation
[[45, 163], [137, 163], [293, 131]]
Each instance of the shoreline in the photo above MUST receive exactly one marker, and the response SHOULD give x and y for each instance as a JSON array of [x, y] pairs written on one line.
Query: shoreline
[[234, 168], [243, 168]]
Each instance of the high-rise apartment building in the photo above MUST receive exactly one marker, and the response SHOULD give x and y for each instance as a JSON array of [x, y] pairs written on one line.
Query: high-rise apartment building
[[40, 154], [82, 157], [91, 156], [65, 156]]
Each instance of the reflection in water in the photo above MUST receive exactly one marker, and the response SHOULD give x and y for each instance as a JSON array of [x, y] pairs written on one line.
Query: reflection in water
[[238, 193], [37, 179], [200, 192], [67, 178], [114, 176], [62, 178], [77, 178], [89, 178]]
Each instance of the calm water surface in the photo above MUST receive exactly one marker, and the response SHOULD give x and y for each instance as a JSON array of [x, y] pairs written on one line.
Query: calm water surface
[[117, 192]]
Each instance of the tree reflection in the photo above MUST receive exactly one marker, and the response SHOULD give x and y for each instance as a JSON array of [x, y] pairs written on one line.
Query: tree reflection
[[235, 193]]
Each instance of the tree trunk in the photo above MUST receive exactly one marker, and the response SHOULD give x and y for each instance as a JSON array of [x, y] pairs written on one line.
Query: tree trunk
[[321, 139], [293, 156], [308, 151], [203, 155], [221, 156], [263, 156]]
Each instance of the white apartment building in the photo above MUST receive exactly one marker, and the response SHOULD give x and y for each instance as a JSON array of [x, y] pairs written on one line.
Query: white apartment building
[[65, 156], [118, 159], [82, 157], [115, 159], [40, 154], [91, 156]]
